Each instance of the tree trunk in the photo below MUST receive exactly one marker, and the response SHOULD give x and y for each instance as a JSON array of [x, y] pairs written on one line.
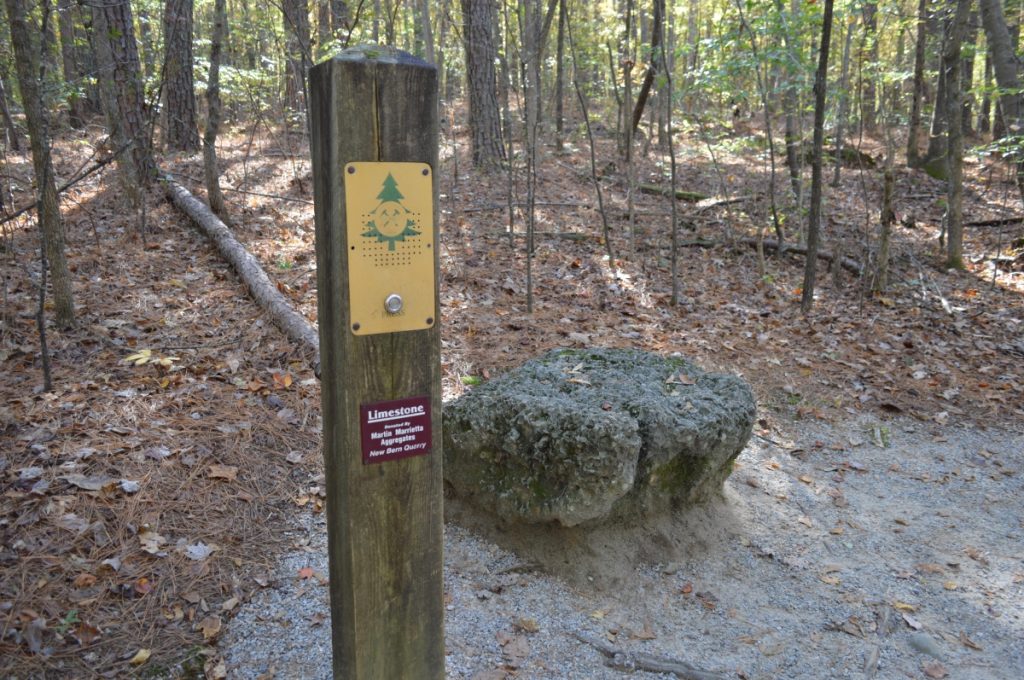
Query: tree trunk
[[844, 104], [481, 53], [935, 156], [791, 99], [967, 74], [72, 69], [814, 219], [26, 41], [427, 30], [985, 112], [181, 132], [117, 57], [146, 41], [340, 19], [213, 105], [953, 65], [886, 218], [914, 125], [1004, 63], [653, 66], [12, 132], [297, 54], [560, 78], [868, 102]]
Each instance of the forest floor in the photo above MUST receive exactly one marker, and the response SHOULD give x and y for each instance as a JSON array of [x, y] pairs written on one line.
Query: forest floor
[[144, 503]]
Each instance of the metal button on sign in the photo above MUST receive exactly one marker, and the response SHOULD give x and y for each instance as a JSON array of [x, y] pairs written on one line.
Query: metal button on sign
[[393, 303]]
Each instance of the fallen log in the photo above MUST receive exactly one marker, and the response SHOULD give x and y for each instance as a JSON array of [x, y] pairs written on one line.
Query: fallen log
[[248, 268], [847, 263], [997, 222], [691, 196]]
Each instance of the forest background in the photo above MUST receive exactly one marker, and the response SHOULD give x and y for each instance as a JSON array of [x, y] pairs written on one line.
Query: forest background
[[667, 175]]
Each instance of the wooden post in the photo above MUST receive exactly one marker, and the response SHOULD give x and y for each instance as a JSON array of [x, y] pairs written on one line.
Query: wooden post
[[374, 119]]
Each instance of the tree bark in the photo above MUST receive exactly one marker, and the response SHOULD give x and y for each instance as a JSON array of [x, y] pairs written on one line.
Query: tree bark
[[868, 102], [180, 127], [117, 59], [297, 54], [26, 41], [791, 99], [12, 132], [814, 220], [967, 73], [213, 105], [1004, 63], [844, 104], [985, 112], [484, 116], [953, 65], [652, 67], [914, 125], [427, 31], [72, 69], [560, 77]]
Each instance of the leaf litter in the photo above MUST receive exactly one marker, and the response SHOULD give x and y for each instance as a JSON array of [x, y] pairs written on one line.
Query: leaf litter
[[941, 348]]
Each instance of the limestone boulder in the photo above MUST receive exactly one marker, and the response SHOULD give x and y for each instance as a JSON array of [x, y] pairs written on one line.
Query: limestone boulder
[[583, 436]]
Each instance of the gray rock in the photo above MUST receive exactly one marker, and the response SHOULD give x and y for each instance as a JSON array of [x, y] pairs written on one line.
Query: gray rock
[[579, 436], [926, 644]]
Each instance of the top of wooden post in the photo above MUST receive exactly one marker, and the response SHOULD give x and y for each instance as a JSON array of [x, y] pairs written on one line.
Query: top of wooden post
[[384, 54]]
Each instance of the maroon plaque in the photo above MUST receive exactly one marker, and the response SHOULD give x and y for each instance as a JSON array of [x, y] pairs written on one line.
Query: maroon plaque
[[395, 429]]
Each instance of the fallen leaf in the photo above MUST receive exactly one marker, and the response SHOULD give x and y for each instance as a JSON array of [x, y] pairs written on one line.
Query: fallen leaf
[[976, 555], [806, 479], [199, 551], [210, 626], [687, 588], [85, 633], [934, 669], [72, 522], [911, 621], [88, 483], [646, 633], [950, 585], [151, 541], [215, 669], [229, 604], [84, 580], [294, 457], [968, 642], [526, 625], [904, 607], [829, 579], [129, 486], [317, 619], [226, 472], [33, 634], [306, 572], [141, 657]]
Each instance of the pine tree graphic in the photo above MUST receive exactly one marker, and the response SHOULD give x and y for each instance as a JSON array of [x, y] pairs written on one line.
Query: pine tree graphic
[[390, 221]]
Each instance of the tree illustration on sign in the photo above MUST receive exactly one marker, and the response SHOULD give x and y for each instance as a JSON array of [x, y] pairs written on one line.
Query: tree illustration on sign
[[390, 221]]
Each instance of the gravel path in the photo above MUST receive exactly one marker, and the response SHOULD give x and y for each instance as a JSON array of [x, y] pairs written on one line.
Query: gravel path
[[863, 549]]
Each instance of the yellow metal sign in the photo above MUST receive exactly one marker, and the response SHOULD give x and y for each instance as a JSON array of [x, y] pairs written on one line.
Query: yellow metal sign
[[390, 220]]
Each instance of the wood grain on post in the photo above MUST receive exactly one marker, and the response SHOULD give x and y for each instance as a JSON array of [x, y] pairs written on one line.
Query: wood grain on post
[[385, 525]]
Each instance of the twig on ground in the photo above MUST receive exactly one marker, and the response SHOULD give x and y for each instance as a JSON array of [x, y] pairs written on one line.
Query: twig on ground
[[624, 660]]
